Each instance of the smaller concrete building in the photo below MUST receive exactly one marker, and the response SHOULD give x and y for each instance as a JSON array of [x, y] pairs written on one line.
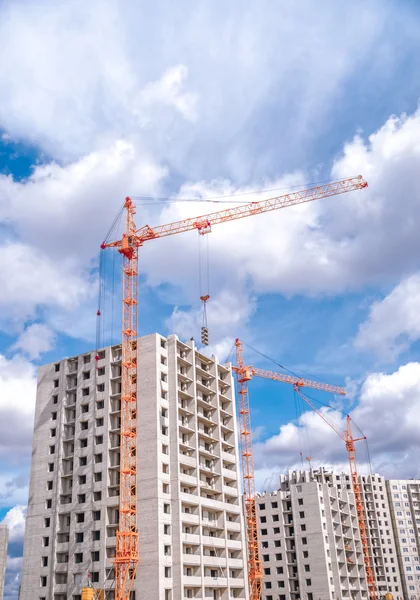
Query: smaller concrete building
[[4, 536], [310, 540], [404, 498]]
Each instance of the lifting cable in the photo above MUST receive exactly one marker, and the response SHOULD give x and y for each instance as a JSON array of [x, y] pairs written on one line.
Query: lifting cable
[[225, 198], [300, 412], [101, 292], [204, 284], [271, 359], [295, 373], [306, 436], [369, 462], [302, 427], [345, 414], [334, 408], [103, 330], [107, 271], [299, 429]]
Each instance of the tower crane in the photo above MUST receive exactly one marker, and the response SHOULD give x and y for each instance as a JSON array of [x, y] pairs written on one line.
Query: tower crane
[[127, 544], [244, 374], [349, 440]]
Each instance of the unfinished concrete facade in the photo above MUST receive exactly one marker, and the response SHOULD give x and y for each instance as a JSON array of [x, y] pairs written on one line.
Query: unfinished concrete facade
[[310, 538], [404, 498], [189, 512], [4, 535], [310, 541]]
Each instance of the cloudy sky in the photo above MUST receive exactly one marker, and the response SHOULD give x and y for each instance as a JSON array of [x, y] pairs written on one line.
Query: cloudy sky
[[103, 99]]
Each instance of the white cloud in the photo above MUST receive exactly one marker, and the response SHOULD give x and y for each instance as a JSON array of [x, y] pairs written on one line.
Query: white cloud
[[88, 82], [29, 278], [121, 113], [92, 70], [119, 118], [15, 521], [168, 91], [35, 340], [388, 414], [375, 236], [14, 489], [227, 313], [223, 348], [329, 246], [394, 322], [388, 409], [65, 211], [17, 384], [17, 405], [63, 214]]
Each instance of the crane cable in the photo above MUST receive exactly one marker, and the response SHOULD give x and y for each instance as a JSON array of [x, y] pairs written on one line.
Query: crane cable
[[295, 373], [104, 330], [103, 274], [305, 449], [299, 429], [345, 414], [271, 359], [204, 281], [300, 410], [225, 198]]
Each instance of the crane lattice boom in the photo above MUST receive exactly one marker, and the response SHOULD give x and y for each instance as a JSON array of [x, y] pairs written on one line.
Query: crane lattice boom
[[205, 222], [127, 552], [250, 372]]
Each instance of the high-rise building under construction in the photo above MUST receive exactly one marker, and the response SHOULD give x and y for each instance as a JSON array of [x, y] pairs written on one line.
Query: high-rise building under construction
[[404, 499], [310, 539], [189, 511]]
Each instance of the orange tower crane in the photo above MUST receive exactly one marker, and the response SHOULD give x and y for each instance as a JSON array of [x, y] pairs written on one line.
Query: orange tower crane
[[244, 374], [349, 440], [127, 550]]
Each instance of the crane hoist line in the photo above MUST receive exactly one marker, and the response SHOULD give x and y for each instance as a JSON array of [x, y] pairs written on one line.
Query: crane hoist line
[[127, 544]]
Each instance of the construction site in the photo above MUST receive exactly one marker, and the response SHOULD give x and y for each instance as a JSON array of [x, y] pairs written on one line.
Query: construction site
[[209, 279], [142, 477]]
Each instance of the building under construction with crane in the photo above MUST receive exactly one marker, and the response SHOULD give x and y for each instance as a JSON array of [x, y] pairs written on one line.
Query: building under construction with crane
[[189, 494], [192, 523], [64, 400]]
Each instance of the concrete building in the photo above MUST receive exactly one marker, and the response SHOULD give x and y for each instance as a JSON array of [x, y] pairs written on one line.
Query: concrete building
[[4, 535], [381, 541], [404, 497], [189, 512], [310, 541]]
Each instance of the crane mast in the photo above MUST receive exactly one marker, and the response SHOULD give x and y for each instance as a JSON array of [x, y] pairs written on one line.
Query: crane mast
[[349, 440], [127, 550], [351, 451], [255, 572]]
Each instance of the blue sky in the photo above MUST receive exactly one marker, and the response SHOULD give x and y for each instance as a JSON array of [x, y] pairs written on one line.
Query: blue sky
[[105, 100]]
